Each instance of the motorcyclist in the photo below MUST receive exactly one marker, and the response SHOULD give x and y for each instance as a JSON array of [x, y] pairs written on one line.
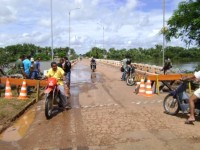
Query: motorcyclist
[[58, 73], [93, 61], [167, 65], [126, 64]]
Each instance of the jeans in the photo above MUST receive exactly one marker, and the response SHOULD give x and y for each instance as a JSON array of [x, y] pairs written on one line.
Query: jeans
[[124, 75], [34, 75], [28, 87], [63, 96], [68, 78]]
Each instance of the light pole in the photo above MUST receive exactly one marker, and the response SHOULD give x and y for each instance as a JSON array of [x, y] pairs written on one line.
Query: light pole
[[103, 33], [51, 32], [69, 26], [163, 32]]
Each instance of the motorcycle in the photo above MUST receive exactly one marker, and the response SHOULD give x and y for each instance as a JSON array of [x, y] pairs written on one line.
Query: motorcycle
[[93, 66], [52, 97], [130, 77], [178, 100]]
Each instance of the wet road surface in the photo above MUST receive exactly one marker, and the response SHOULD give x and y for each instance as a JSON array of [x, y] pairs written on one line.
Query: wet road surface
[[106, 115]]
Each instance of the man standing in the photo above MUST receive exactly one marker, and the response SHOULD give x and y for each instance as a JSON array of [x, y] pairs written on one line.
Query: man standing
[[37, 65], [27, 65], [19, 66], [67, 69]]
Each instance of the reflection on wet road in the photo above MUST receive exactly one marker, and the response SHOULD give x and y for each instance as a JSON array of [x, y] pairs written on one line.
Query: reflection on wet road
[[81, 74], [19, 129]]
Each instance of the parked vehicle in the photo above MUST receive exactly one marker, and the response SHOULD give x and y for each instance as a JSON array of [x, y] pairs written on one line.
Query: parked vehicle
[[178, 100], [130, 76], [52, 97]]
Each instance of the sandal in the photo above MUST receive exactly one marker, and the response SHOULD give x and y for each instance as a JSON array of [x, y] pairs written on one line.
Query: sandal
[[189, 121]]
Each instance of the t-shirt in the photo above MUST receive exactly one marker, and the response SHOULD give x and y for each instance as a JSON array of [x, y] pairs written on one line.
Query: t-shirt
[[124, 63], [197, 75], [58, 74], [27, 65], [37, 67], [67, 66], [19, 65]]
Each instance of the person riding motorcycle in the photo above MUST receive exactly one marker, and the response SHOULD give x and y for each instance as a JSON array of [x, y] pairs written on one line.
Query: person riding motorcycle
[[93, 61], [58, 73], [126, 64], [193, 99]]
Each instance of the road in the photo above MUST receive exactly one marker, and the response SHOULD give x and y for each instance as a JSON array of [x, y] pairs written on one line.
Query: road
[[106, 115]]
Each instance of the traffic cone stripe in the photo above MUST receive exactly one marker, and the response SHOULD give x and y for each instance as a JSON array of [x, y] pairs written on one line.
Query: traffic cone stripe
[[23, 88], [142, 90], [8, 94], [148, 92], [22, 94], [148, 86], [142, 85]]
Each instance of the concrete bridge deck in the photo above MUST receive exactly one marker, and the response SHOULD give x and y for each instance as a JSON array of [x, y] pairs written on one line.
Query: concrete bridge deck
[[106, 115]]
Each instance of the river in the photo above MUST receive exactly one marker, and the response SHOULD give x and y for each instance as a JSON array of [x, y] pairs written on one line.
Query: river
[[178, 66]]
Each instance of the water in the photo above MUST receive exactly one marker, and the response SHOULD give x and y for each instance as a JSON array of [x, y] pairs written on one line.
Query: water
[[178, 65]]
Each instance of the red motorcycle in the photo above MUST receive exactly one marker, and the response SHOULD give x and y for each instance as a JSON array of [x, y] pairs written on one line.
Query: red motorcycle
[[52, 97]]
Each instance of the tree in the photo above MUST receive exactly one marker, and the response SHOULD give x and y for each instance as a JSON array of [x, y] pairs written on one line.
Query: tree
[[185, 23]]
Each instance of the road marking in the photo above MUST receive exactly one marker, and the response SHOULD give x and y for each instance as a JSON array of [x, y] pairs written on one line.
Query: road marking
[[138, 103], [146, 102]]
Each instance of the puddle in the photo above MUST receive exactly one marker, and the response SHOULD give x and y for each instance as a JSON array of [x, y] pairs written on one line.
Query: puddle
[[19, 129], [83, 74]]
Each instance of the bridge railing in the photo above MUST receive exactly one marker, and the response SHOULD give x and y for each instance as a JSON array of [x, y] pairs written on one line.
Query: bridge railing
[[141, 68]]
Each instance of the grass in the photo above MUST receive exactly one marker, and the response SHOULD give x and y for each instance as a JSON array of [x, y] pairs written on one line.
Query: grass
[[10, 107]]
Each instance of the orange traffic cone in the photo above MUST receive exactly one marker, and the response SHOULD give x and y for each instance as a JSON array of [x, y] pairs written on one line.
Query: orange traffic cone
[[8, 93], [148, 92], [23, 92], [142, 88]]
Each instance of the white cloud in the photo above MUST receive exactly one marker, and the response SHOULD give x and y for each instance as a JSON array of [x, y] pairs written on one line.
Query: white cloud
[[127, 23]]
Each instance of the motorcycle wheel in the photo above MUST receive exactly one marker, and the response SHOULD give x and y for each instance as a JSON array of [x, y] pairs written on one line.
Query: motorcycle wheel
[[48, 106], [171, 105], [130, 80]]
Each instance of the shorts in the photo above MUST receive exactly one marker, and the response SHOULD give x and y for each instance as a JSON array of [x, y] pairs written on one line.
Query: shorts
[[197, 93]]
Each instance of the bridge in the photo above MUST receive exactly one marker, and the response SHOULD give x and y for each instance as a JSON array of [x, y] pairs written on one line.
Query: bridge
[[106, 114]]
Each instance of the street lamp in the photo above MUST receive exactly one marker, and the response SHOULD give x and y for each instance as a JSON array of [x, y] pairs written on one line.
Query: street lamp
[[163, 32], [69, 26], [103, 33], [51, 32]]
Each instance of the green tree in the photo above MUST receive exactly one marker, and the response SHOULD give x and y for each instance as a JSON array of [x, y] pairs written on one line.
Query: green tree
[[185, 23]]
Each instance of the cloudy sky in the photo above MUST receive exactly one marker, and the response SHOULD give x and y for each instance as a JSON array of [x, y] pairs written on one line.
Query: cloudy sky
[[125, 23]]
